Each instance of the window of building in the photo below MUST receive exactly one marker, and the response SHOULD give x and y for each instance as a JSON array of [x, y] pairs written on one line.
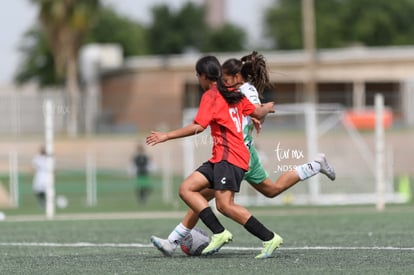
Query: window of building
[[390, 91], [340, 93]]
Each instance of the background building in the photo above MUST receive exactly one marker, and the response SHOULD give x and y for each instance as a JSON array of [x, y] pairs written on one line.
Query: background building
[[150, 92]]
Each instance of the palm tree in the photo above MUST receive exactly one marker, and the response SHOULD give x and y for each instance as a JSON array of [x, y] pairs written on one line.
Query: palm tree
[[66, 23]]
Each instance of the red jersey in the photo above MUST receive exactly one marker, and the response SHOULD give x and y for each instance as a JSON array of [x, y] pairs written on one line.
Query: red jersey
[[226, 127]]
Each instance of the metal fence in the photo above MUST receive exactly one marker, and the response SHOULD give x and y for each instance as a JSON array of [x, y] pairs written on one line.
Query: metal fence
[[22, 113]]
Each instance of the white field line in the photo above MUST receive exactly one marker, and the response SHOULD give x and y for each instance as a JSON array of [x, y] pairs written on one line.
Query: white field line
[[138, 245]]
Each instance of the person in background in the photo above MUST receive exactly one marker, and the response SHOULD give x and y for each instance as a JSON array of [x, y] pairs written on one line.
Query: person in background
[[43, 167], [141, 167]]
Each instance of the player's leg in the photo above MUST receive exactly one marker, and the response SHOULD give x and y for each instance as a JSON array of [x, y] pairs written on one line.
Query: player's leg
[[271, 189], [221, 236], [188, 222], [225, 204], [227, 179], [191, 218], [258, 178], [190, 191], [318, 165], [41, 197], [192, 184], [181, 230], [325, 167], [194, 199]]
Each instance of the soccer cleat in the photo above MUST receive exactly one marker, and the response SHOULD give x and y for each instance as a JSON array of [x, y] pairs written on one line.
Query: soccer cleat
[[326, 168], [269, 247], [163, 245], [217, 241]]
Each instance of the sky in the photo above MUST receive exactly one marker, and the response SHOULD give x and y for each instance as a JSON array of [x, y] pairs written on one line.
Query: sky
[[16, 16]]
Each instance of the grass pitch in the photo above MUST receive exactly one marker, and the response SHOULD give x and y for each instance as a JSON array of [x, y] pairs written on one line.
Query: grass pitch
[[344, 240]]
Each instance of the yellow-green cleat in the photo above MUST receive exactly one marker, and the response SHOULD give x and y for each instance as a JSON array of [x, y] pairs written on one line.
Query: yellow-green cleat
[[217, 241], [269, 247]]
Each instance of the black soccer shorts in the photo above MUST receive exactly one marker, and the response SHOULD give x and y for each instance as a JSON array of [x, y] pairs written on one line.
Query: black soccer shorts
[[222, 175]]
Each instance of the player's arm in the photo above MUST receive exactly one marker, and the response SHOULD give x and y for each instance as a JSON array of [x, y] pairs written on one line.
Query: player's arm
[[258, 122], [189, 130], [262, 110]]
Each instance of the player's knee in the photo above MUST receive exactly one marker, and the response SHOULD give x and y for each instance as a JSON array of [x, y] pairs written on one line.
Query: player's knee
[[223, 208], [272, 194], [182, 192]]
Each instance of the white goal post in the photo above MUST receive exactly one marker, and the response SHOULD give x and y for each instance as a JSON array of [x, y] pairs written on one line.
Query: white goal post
[[49, 142]]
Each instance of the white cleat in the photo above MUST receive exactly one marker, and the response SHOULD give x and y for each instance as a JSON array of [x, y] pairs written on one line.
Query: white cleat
[[163, 245], [326, 168]]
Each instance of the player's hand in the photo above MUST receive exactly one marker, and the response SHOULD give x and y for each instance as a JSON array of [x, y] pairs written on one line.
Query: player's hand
[[156, 137], [269, 106], [257, 124]]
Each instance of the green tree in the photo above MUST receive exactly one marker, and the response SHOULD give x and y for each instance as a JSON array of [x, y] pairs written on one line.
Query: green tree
[[379, 22], [227, 38], [37, 63], [169, 33], [283, 24], [65, 24], [129, 34], [37, 59], [175, 32], [340, 23]]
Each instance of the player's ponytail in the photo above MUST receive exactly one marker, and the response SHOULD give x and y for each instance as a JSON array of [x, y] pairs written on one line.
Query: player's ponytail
[[210, 67], [253, 69]]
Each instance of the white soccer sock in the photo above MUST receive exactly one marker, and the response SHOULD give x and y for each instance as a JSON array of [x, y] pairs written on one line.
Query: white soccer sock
[[178, 234], [308, 170]]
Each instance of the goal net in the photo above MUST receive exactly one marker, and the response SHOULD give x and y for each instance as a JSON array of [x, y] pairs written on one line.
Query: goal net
[[293, 135]]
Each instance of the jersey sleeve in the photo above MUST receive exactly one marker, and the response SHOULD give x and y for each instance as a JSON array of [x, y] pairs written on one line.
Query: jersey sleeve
[[251, 93], [205, 110]]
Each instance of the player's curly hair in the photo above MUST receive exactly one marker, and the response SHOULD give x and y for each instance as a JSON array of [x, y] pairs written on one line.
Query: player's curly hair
[[252, 68], [211, 68]]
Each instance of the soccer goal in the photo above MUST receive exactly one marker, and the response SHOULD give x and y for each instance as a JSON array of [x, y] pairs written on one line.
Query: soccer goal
[[293, 135]]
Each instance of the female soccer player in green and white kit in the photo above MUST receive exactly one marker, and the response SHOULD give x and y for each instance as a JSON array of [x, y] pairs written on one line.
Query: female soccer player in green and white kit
[[247, 74]]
